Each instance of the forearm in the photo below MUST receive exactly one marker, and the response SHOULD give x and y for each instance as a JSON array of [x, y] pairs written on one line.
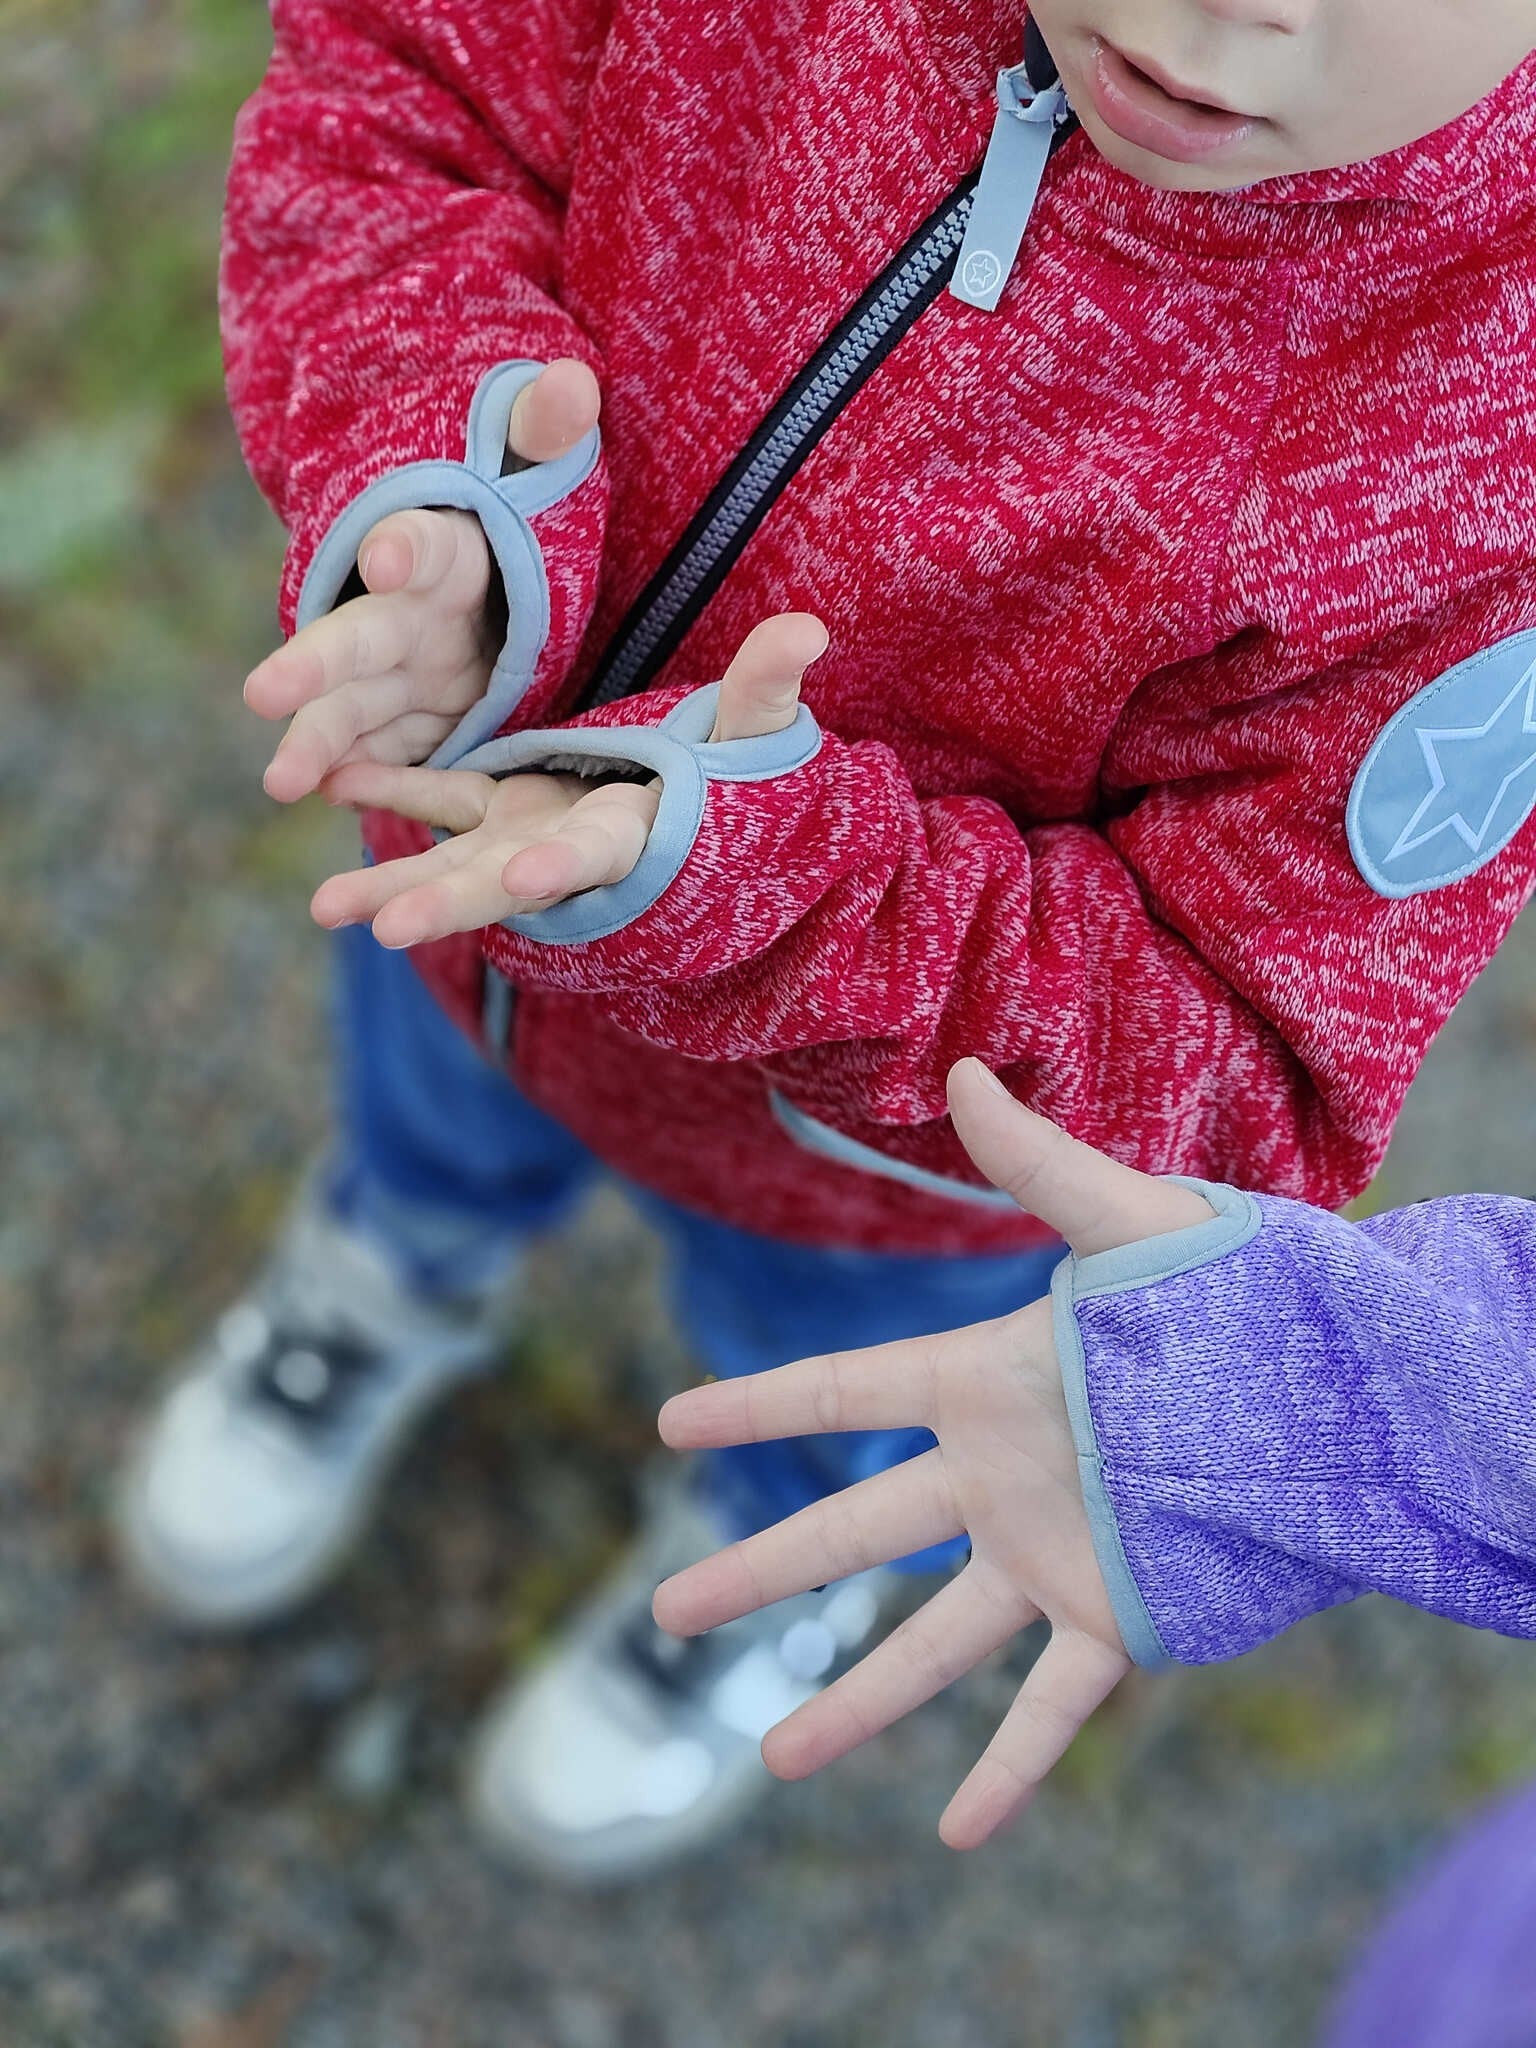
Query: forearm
[[1314, 1410], [392, 233], [856, 940]]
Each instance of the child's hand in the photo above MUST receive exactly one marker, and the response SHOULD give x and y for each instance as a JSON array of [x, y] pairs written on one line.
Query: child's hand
[[1005, 1471], [523, 842], [387, 676]]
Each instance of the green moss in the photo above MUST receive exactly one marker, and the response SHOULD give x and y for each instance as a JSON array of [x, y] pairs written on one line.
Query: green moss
[[1093, 1767], [549, 1585], [1489, 1759], [290, 851], [66, 498], [119, 235], [1300, 1730]]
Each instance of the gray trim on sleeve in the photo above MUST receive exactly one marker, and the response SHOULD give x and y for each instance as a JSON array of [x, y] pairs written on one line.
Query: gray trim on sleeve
[[503, 505], [679, 753], [1235, 1224], [437, 486], [815, 1136], [597, 913], [758, 759], [532, 487]]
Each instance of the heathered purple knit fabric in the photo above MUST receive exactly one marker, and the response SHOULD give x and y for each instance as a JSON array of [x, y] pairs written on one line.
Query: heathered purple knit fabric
[[1455, 1965], [1332, 1409]]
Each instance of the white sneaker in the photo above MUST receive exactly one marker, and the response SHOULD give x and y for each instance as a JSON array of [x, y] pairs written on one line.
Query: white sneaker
[[626, 1748], [256, 1475]]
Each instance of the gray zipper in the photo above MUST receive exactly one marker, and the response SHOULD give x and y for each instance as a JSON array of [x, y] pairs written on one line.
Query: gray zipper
[[697, 565], [1028, 124]]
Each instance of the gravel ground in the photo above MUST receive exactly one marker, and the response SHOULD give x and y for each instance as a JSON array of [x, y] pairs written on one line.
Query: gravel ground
[[259, 1843]]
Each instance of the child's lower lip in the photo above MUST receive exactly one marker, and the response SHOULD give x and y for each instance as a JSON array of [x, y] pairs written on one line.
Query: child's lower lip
[[1139, 111]]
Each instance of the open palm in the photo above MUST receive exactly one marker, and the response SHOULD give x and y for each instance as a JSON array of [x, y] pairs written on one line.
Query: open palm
[[525, 841], [1004, 1471]]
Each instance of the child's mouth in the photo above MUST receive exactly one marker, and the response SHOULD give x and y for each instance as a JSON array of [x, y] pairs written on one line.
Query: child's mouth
[[1156, 116]]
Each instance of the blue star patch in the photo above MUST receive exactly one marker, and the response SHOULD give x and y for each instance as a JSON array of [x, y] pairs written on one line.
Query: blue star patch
[[1452, 777]]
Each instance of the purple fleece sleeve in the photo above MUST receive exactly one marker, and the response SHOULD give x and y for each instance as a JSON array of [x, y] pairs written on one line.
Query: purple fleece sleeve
[[1454, 1966], [1278, 1410]]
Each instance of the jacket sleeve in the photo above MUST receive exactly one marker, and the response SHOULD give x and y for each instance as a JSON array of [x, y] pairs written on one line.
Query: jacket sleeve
[[1279, 1410], [390, 276], [1201, 980]]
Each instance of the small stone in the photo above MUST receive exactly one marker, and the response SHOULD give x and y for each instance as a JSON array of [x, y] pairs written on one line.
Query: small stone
[[366, 1760], [578, 2020], [150, 1902]]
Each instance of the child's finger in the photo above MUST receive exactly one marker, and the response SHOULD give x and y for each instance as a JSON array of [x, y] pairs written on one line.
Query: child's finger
[[760, 691], [359, 895], [463, 901], [906, 1508], [402, 743], [552, 413], [454, 799], [367, 637], [965, 1621], [598, 842], [324, 732], [1073, 1675], [888, 1386], [1092, 1201], [421, 551]]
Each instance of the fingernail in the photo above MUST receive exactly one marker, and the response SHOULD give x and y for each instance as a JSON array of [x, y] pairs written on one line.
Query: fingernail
[[364, 563], [989, 1080]]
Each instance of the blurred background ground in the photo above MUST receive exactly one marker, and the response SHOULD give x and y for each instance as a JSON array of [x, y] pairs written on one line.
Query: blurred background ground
[[257, 1845]]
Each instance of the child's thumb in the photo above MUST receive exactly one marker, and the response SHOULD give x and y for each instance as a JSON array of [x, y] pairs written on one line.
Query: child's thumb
[[552, 413], [1090, 1200], [760, 691], [421, 550]]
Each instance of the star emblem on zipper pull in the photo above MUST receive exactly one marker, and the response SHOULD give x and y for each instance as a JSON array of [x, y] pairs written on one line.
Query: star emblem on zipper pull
[[1022, 133], [981, 274]]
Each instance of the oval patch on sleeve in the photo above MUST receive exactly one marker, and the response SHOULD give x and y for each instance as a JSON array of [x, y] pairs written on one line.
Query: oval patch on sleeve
[[1452, 777]]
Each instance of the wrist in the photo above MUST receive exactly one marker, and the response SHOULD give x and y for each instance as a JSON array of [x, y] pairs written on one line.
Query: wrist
[[694, 775]]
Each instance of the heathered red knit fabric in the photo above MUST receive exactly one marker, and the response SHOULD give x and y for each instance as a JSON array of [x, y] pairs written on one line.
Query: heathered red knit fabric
[[1122, 580]]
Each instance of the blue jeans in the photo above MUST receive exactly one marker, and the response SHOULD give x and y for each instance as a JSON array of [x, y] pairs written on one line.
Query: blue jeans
[[440, 1159]]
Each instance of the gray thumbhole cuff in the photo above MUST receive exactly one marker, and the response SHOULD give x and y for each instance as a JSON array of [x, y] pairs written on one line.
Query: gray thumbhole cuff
[[1235, 1224], [679, 752], [503, 504]]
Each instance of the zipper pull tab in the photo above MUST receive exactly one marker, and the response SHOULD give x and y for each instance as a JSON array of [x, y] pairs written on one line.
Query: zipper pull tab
[[1011, 170]]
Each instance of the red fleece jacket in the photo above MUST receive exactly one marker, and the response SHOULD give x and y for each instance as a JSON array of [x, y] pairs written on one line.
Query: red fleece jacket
[[1123, 579]]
